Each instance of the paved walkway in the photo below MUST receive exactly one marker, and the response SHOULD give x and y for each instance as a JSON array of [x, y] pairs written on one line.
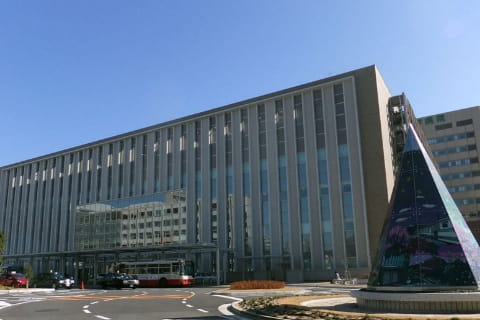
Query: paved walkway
[[346, 306]]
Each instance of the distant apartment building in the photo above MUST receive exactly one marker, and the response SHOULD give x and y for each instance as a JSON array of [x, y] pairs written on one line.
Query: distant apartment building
[[291, 185], [454, 138]]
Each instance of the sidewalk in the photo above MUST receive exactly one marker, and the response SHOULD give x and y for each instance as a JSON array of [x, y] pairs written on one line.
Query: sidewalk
[[24, 290], [287, 291]]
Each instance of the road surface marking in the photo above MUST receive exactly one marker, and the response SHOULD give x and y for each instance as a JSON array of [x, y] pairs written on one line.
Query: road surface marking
[[227, 297], [109, 298], [224, 309], [4, 304]]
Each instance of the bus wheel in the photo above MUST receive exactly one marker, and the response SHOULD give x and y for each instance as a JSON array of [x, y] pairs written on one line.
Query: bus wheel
[[163, 283]]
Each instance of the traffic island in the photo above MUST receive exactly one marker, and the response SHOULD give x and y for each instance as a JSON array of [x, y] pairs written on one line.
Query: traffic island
[[332, 307]]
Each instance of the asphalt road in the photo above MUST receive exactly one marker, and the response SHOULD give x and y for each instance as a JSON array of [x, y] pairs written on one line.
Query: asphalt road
[[125, 304]]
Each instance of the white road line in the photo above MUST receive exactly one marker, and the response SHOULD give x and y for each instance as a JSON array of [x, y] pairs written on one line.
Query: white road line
[[189, 305], [224, 309], [102, 317], [4, 304], [86, 306], [227, 297], [184, 301], [95, 302], [227, 314], [86, 311], [201, 310]]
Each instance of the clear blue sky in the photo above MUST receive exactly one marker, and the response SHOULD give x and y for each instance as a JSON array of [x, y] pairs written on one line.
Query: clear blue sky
[[76, 71]]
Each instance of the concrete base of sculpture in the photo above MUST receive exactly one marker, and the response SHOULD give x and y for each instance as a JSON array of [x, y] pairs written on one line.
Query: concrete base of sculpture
[[418, 302]]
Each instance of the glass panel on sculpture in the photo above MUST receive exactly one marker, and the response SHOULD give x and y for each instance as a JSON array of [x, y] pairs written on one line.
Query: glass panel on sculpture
[[420, 245]]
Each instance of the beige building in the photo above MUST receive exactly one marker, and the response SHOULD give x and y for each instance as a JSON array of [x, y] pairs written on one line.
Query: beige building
[[290, 185], [454, 138]]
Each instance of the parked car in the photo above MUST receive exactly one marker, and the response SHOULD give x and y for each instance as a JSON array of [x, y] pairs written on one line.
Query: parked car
[[205, 279], [52, 280], [117, 280], [16, 280]]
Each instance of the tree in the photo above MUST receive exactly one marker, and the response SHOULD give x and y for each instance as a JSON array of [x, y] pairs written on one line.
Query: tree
[[28, 272]]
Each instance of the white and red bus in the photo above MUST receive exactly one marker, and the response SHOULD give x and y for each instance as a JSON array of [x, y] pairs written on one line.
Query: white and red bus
[[161, 273]]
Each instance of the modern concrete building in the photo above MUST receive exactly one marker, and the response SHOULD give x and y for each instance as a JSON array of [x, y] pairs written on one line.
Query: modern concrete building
[[290, 185], [454, 137]]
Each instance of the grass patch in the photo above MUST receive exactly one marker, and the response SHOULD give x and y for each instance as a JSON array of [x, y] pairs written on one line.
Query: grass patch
[[257, 284]]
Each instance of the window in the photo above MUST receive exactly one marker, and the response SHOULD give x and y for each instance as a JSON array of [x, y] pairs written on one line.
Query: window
[[467, 201], [440, 118], [429, 120], [463, 188], [460, 175], [453, 137], [168, 143], [460, 162], [464, 122], [441, 152], [443, 126]]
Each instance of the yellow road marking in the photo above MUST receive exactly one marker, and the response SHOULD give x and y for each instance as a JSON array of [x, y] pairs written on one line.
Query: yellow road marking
[[142, 297]]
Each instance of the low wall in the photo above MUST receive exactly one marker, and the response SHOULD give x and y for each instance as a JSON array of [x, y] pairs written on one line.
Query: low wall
[[417, 302]]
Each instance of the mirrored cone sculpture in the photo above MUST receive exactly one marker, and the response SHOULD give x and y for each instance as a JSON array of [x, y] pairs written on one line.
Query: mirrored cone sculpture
[[425, 244]]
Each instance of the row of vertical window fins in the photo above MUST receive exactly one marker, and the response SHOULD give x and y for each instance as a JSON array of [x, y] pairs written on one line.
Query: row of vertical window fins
[[19, 180], [67, 165]]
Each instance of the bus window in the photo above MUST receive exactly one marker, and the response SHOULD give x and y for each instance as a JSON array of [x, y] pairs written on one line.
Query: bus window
[[164, 268], [175, 268], [141, 269], [152, 269]]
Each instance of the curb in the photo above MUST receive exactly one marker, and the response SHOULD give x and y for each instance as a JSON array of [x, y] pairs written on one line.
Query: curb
[[238, 310]]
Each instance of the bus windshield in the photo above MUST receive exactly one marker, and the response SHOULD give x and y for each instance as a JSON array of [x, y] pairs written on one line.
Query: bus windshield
[[188, 268]]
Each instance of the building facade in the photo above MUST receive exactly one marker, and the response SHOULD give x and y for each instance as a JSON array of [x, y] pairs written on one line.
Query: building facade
[[453, 138], [292, 185]]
